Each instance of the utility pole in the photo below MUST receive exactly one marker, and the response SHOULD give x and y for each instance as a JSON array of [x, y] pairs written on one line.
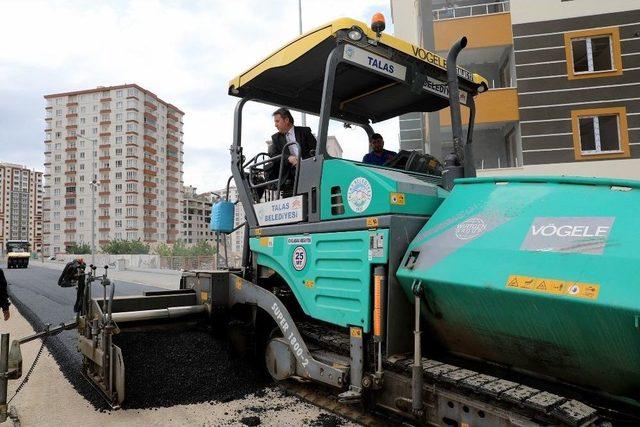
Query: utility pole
[[304, 115]]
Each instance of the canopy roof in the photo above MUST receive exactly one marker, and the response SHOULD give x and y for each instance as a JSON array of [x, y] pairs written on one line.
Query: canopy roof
[[376, 80]]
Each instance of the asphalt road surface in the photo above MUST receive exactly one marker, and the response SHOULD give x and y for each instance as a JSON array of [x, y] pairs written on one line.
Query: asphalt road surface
[[36, 288], [35, 292]]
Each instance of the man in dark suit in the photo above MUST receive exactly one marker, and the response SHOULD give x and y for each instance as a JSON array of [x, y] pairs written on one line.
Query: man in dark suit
[[4, 298], [287, 132]]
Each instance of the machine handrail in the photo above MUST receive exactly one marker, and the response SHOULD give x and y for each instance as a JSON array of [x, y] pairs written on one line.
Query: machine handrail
[[454, 12], [253, 167]]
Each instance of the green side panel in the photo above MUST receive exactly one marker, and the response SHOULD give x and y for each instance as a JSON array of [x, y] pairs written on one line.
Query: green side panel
[[331, 279], [573, 311], [363, 190]]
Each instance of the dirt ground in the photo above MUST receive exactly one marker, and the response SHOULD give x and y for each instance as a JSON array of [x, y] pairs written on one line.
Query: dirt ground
[[48, 399]]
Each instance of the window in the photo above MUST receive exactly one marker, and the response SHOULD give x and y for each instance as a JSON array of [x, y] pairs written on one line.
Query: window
[[600, 133], [118, 128], [593, 53]]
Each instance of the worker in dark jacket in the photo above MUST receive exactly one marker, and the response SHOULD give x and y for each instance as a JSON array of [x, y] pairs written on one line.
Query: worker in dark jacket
[[73, 275], [4, 296], [287, 133]]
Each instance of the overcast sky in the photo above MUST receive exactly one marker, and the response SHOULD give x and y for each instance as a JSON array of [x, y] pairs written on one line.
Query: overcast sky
[[184, 51]]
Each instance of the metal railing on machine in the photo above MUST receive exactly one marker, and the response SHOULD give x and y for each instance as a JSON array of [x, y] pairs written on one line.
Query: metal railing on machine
[[453, 12]]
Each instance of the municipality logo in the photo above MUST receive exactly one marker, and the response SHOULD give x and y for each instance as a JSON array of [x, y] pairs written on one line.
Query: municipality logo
[[359, 194], [349, 51]]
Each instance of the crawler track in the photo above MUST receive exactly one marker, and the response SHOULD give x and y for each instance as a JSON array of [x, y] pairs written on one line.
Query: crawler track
[[532, 401]]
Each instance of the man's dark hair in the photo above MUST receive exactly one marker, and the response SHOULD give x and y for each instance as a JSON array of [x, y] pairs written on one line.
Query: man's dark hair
[[376, 136], [284, 113]]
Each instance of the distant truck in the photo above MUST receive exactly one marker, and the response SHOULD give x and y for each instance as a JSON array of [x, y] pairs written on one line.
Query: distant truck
[[18, 254]]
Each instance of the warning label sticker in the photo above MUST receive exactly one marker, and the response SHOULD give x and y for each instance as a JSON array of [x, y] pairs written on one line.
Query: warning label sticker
[[554, 287]]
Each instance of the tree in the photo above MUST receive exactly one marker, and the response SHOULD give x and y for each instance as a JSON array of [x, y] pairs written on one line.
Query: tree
[[125, 247], [78, 249], [163, 249], [179, 248], [203, 248]]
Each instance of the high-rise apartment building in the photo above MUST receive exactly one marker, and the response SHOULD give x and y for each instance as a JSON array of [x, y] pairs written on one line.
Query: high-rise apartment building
[[131, 142], [20, 205], [562, 76], [196, 216]]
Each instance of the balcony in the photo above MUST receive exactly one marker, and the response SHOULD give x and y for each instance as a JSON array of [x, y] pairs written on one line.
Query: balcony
[[494, 106], [459, 11], [484, 23]]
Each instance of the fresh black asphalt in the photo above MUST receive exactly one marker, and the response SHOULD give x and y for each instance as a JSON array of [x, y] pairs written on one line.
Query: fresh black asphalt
[[162, 369], [36, 288], [34, 291]]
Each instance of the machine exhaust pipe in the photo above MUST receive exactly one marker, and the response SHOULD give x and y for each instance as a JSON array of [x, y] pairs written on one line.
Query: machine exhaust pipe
[[463, 152]]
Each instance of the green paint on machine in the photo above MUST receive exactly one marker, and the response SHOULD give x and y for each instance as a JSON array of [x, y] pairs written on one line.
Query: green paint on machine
[[351, 189], [329, 273], [560, 303]]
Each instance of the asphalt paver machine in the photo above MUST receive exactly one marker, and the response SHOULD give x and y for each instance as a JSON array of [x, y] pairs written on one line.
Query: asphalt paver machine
[[444, 299]]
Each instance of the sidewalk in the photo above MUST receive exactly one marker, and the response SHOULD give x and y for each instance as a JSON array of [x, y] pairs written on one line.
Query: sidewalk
[[166, 279]]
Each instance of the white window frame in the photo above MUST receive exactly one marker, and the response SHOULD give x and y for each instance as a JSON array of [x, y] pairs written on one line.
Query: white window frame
[[596, 136], [589, 48]]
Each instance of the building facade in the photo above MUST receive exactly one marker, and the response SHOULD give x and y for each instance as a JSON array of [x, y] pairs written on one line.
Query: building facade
[[487, 26], [20, 205], [129, 142], [563, 78], [196, 216], [578, 73]]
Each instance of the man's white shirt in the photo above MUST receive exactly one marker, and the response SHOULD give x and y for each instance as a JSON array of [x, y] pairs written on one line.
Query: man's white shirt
[[291, 137]]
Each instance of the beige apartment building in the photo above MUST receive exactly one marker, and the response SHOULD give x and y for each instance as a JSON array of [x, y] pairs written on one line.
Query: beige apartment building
[[20, 205], [563, 77], [196, 216], [131, 142]]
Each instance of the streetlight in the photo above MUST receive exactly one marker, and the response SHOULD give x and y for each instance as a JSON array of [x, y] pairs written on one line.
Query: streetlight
[[94, 183]]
